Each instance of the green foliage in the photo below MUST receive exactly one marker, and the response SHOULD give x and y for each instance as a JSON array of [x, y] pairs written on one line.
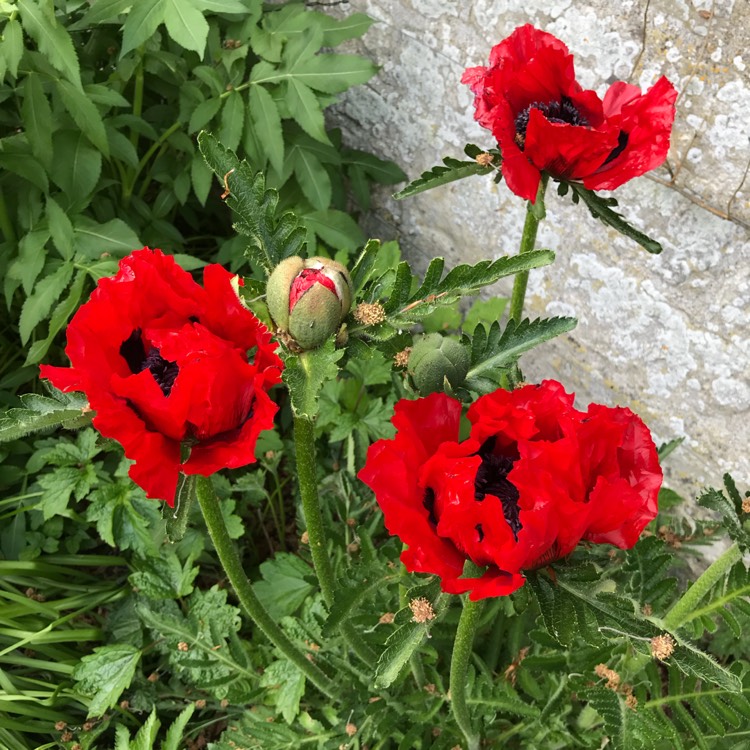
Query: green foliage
[[494, 352], [104, 674], [305, 374], [601, 208], [146, 737], [38, 413], [452, 171], [728, 504], [97, 148]]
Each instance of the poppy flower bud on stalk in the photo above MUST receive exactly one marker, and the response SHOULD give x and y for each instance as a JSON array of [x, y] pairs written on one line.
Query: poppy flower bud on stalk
[[434, 359], [309, 299]]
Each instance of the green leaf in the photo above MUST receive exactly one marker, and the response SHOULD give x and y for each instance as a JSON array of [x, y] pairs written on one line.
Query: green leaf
[[729, 507], [692, 661], [287, 686], [365, 264], [58, 320], [272, 237], [232, 121], [403, 642], [53, 40], [175, 733], [37, 118], [285, 585], [77, 171], [93, 239], [142, 21], [305, 374], [13, 45], [186, 25], [305, 108], [164, 577], [351, 27], [60, 228], [85, 114], [337, 228], [333, 74], [600, 209], [492, 351], [442, 175], [42, 413], [313, 179], [203, 114], [381, 171], [265, 118], [104, 675], [31, 257], [46, 292], [200, 176], [102, 11]]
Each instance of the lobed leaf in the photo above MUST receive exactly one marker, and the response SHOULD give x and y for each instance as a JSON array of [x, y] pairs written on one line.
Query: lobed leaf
[[43, 413]]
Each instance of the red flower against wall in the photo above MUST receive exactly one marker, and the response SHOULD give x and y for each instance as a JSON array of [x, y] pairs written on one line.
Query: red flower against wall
[[166, 363], [544, 121], [535, 477]]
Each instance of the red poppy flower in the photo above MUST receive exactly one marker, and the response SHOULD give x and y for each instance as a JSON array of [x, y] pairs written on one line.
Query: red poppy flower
[[166, 363], [534, 477], [544, 121]]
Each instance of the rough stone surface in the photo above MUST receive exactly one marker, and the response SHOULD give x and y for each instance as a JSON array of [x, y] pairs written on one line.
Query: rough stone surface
[[666, 335]]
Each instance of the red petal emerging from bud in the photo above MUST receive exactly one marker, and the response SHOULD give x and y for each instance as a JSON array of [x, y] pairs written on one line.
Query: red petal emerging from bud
[[309, 277]]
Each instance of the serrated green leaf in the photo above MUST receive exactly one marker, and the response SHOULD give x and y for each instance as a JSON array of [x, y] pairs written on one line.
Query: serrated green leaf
[[41, 413], [284, 587], [146, 736], [31, 258], [61, 228], [500, 351], [442, 175], [336, 228], [364, 264], [402, 643], [37, 118], [232, 120], [102, 11], [305, 108], [104, 675], [203, 114], [267, 124], [46, 292], [333, 74], [305, 374], [174, 738], [379, 170], [164, 577], [186, 25], [77, 173], [12, 45], [337, 31], [93, 239], [142, 21], [53, 40], [600, 209], [272, 237], [201, 177], [85, 114], [287, 686], [313, 179]]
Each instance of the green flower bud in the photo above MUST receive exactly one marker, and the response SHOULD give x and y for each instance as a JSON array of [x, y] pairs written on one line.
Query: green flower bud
[[309, 299], [435, 358]]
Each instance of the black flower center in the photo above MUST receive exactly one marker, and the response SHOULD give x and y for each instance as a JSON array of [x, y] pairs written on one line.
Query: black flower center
[[492, 479], [563, 111], [134, 353]]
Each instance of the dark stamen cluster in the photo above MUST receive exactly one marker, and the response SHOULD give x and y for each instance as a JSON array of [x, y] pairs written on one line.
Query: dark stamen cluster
[[134, 353], [563, 111], [429, 503], [491, 479]]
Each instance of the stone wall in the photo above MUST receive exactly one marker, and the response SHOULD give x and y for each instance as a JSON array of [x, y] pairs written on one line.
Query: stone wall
[[667, 335]]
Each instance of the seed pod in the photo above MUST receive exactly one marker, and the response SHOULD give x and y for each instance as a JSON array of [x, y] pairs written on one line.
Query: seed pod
[[309, 299], [434, 359]]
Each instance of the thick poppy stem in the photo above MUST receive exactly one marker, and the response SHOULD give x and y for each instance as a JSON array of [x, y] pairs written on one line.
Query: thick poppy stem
[[462, 650], [683, 610], [304, 448], [534, 214], [250, 603]]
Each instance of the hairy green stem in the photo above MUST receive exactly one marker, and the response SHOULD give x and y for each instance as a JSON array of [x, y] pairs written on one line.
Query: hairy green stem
[[230, 561], [682, 611], [534, 214], [304, 448], [462, 649]]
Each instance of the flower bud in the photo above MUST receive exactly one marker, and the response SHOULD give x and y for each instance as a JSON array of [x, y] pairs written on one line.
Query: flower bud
[[309, 299], [435, 358]]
